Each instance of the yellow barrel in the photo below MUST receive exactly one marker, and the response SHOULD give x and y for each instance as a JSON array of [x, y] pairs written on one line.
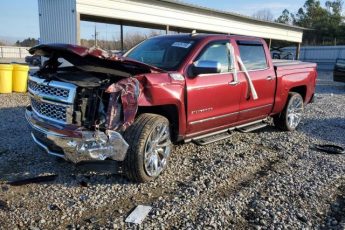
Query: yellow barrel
[[6, 78], [20, 78]]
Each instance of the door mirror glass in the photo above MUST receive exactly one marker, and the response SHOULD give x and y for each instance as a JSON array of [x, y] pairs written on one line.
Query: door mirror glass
[[206, 67]]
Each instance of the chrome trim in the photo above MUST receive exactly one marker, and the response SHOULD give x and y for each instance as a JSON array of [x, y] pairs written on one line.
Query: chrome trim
[[212, 74], [254, 70], [39, 128], [227, 115], [40, 144], [213, 118], [57, 84], [256, 108]]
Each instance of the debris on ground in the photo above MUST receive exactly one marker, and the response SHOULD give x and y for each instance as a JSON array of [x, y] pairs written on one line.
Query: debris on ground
[[330, 149], [138, 215]]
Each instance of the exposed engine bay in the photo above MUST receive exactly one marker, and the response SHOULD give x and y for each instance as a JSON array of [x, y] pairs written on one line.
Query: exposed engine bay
[[96, 96], [106, 91]]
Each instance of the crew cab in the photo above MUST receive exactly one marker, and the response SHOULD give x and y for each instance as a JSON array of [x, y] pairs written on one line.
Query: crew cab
[[87, 104]]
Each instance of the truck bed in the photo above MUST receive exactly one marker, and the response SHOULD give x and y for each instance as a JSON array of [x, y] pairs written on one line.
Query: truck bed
[[291, 64]]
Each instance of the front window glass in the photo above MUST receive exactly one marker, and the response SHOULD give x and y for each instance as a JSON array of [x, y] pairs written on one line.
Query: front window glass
[[162, 52], [218, 52]]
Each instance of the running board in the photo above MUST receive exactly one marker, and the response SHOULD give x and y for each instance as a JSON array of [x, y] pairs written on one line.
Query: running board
[[212, 138], [252, 127], [226, 133]]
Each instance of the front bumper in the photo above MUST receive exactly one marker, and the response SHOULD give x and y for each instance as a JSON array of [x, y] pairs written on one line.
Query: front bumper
[[74, 143]]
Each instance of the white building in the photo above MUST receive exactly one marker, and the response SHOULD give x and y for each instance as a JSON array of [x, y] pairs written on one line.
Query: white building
[[60, 20]]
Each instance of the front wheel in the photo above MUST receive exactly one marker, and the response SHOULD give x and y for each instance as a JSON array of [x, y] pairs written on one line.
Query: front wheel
[[289, 119], [149, 147]]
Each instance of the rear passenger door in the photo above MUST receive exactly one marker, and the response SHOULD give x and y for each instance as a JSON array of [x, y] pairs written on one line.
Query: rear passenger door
[[256, 58]]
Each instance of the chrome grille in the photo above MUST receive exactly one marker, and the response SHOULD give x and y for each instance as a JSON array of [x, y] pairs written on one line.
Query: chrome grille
[[52, 90], [50, 111], [52, 100], [48, 90]]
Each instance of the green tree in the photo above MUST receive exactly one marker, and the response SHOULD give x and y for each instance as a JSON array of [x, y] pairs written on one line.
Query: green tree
[[286, 18], [325, 24]]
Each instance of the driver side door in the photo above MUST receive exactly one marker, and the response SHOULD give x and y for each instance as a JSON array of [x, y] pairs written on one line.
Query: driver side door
[[212, 101]]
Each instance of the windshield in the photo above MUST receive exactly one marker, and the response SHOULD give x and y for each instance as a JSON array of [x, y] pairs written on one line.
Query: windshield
[[162, 52]]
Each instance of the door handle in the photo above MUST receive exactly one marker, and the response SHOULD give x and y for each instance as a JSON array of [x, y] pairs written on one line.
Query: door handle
[[233, 83], [269, 78]]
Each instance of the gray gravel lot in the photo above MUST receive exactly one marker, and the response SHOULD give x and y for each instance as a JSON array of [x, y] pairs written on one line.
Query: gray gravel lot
[[263, 180]]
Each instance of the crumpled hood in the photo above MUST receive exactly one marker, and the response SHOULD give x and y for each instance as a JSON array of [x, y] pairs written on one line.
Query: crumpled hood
[[94, 60]]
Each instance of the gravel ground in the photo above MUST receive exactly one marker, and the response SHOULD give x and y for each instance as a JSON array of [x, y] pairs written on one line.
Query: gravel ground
[[263, 180]]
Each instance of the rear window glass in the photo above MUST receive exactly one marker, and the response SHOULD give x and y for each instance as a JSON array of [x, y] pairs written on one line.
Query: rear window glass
[[253, 56]]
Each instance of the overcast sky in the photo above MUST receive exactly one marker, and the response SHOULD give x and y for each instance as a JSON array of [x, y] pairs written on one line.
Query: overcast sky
[[19, 18]]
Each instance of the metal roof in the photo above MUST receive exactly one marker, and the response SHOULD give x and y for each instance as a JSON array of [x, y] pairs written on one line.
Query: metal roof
[[227, 13], [60, 20]]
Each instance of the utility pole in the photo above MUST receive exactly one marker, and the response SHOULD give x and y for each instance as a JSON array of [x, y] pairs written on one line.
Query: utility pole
[[95, 36]]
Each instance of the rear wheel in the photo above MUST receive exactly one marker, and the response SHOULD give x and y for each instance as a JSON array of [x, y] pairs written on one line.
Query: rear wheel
[[289, 119], [149, 147]]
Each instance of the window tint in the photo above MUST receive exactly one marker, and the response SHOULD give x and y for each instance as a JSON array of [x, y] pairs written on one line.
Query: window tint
[[217, 52], [253, 56]]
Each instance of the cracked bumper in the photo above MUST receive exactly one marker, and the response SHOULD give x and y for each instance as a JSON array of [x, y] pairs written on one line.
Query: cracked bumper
[[75, 144]]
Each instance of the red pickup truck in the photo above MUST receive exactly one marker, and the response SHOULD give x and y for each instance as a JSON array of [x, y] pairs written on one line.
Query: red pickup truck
[[87, 104]]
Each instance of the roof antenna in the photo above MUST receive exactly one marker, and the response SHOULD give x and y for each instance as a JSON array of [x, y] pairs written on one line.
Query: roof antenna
[[194, 33]]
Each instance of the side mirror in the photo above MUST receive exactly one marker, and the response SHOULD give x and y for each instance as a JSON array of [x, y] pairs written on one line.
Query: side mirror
[[205, 67]]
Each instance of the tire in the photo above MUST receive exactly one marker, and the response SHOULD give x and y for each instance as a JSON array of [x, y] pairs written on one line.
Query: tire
[[146, 153], [289, 119]]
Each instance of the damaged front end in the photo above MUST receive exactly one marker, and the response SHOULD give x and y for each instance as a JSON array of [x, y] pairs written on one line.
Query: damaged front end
[[81, 111], [85, 146]]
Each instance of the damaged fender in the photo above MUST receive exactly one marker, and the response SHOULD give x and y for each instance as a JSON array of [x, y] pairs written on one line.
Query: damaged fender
[[123, 97]]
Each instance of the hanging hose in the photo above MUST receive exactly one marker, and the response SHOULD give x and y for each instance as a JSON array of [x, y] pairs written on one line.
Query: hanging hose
[[250, 82]]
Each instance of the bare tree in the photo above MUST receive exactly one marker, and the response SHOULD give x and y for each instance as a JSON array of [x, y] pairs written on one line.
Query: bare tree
[[264, 14], [130, 39]]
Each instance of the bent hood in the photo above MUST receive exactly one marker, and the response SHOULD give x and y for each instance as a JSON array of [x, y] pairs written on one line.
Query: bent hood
[[94, 60]]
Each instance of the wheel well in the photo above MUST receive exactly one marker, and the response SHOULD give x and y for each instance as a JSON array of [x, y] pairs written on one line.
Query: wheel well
[[168, 111], [302, 90]]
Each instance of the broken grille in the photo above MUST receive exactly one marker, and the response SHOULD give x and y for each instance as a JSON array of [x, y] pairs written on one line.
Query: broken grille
[[50, 111], [48, 90]]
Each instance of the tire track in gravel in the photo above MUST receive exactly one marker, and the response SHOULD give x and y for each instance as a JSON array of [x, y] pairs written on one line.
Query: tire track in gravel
[[239, 180], [323, 194], [127, 201]]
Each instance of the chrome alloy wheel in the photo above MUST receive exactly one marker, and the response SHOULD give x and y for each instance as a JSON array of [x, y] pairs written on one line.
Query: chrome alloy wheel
[[157, 150], [294, 112]]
